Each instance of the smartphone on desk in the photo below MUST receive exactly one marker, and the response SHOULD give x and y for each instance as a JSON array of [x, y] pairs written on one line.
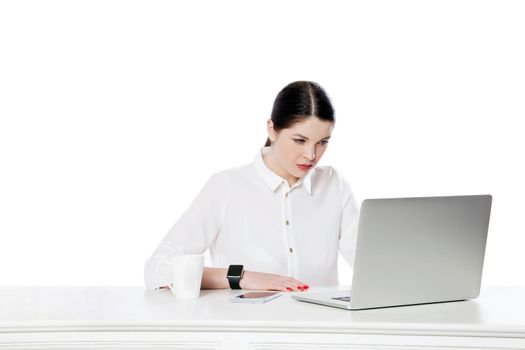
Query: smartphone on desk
[[255, 297]]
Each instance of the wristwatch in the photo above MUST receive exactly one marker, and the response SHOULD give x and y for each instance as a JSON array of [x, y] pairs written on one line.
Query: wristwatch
[[234, 276]]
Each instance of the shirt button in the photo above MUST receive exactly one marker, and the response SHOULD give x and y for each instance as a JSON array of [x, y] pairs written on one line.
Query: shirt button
[[287, 222], [291, 250]]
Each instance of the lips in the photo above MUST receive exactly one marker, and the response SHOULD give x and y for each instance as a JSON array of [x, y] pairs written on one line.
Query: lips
[[304, 167]]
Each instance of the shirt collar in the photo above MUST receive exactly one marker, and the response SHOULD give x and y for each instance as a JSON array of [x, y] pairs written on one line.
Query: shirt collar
[[273, 180]]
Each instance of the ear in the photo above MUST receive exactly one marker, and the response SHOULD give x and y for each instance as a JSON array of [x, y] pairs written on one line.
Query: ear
[[272, 134]]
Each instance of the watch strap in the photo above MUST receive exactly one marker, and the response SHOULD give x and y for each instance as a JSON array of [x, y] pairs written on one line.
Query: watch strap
[[235, 282]]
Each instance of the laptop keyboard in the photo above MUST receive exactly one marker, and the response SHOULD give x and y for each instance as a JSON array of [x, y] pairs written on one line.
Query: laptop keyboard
[[342, 299]]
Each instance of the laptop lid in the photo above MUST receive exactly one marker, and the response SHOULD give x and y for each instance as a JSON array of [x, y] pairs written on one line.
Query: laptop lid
[[419, 250]]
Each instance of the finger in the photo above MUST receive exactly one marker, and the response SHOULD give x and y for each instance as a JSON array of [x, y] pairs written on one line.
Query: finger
[[294, 284], [286, 287], [293, 281], [294, 287], [301, 286]]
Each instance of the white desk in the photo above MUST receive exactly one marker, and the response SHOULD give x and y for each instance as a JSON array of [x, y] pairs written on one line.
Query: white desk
[[134, 318]]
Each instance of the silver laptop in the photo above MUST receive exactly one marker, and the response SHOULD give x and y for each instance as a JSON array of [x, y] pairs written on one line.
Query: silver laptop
[[415, 251]]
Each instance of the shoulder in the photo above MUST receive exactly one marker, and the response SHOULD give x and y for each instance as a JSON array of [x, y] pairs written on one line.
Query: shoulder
[[331, 176], [233, 175]]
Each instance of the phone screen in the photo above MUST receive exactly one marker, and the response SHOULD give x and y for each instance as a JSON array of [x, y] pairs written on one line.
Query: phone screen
[[256, 295]]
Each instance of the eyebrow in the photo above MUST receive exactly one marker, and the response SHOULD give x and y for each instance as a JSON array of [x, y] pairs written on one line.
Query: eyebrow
[[304, 137]]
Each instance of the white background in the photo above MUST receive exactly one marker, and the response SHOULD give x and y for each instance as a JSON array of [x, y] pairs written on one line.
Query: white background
[[113, 114]]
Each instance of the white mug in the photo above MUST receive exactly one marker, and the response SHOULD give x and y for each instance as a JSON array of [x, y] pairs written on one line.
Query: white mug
[[186, 275]]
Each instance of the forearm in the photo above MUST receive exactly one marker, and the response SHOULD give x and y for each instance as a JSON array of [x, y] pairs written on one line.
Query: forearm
[[214, 278]]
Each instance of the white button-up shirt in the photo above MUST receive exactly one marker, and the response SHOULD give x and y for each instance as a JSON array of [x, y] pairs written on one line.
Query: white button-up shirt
[[250, 216]]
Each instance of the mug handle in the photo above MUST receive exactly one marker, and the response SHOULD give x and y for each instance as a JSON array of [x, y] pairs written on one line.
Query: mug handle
[[170, 285]]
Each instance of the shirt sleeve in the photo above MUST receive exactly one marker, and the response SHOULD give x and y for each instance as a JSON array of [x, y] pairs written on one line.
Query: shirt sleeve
[[193, 233], [349, 223]]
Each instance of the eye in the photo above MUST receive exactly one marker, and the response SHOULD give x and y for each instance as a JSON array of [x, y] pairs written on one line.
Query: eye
[[300, 141], [324, 142]]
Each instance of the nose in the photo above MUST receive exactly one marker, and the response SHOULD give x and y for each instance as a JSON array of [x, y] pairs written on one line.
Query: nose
[[309, 153]]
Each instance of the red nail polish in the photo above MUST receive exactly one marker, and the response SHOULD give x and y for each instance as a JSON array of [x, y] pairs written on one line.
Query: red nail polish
[[306, 286], [299, 287], [289, 289]]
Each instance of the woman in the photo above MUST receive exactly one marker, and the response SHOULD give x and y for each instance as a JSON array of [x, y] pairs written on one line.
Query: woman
[[281, 217]]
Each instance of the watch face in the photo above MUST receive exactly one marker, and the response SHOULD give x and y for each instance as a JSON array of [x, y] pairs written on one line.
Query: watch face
[[235, 270]]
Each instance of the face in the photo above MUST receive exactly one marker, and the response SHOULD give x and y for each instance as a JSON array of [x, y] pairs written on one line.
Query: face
[[294, 151]]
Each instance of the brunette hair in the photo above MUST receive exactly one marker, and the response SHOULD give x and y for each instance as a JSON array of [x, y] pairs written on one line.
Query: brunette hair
[[297, 101]]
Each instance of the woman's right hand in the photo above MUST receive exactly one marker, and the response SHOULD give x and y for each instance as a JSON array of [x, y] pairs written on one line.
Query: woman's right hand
[[268, 281]]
